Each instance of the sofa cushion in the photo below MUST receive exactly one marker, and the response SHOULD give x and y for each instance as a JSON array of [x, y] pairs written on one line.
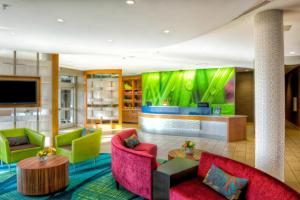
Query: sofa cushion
[[194, 189], [18, 140], [22, 146], [126, 133], [67, 147], [131, 141], [225, 184], [149, 148], [261, 186]]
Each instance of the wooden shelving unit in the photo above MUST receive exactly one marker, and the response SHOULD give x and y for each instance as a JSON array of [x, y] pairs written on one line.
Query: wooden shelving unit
[[132, 98], [103, 98]]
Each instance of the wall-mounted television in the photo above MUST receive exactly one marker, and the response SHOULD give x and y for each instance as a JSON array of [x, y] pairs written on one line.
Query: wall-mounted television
[[19, 91]]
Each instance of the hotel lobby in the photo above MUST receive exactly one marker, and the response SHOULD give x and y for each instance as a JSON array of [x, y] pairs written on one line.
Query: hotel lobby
[[157, 100]]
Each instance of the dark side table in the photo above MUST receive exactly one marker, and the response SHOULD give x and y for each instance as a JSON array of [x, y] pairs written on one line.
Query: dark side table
[[171, 173]]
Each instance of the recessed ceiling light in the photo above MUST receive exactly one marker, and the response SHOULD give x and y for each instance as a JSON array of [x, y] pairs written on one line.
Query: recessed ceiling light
[[292, 52], [109, 41], [130, 2], [167, 31], [13, 33], [60, 20]]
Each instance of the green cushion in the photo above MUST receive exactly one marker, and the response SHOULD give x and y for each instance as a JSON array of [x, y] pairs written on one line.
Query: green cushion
[[13, 132]]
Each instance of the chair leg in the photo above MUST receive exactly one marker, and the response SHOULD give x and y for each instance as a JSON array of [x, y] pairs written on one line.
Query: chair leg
[[1, 163], [117, 185], [9, 167], [95, 161]]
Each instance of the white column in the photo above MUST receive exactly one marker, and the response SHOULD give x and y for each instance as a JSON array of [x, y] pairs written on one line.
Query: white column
[[269, 93]]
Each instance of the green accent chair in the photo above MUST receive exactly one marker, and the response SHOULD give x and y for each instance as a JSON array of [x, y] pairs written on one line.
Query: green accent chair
[[16, 153], [78, 148]]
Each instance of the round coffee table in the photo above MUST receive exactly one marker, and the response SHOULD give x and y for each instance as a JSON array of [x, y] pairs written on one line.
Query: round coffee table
[[179, 153], [36, 177]]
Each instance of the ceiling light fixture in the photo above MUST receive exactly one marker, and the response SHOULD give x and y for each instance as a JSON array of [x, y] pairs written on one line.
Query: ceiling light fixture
[[109, 41], [130, 2], [13, 33], [167, 31], [292, 52], [60, 20]]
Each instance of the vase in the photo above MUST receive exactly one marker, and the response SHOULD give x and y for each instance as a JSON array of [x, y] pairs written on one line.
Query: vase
[[42, 158], [189, 151]]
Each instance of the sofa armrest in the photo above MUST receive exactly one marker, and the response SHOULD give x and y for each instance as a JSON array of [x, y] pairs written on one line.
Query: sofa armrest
[[4, 149], [86, 147], [67, 138], [35, 137], [130, 177]]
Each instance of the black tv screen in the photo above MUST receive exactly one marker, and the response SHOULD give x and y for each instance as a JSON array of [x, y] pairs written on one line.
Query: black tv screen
[[18, 92]]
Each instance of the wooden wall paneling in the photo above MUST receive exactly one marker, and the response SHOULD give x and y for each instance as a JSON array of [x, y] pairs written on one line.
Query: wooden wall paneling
[[55, 78], [244, 95]]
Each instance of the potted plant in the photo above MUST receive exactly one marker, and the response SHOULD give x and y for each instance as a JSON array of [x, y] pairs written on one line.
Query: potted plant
[[43, 154], [188, 147]]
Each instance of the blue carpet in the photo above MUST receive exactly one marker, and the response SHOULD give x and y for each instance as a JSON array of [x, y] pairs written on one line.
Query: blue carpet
[[89, 181]]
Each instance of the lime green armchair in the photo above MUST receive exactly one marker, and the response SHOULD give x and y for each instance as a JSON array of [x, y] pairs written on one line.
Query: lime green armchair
[[78, 148], [11, 154]]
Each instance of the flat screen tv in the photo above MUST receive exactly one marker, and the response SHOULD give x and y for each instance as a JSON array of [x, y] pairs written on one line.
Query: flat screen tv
[[16, 91]]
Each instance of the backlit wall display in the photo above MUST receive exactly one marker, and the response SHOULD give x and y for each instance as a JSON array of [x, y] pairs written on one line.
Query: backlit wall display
[[185, 88]]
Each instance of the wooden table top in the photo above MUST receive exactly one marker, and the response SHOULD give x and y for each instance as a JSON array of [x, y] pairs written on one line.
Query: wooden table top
[[34, 163], [179, 153]]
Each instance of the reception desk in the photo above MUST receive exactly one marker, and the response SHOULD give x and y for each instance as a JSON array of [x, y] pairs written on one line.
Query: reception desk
[[223, 127]]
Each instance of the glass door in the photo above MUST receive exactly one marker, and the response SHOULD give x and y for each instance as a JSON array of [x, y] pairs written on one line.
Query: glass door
[[66, 104]]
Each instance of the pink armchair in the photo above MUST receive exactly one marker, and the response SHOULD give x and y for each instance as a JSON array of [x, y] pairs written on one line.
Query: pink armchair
[[132, 168]]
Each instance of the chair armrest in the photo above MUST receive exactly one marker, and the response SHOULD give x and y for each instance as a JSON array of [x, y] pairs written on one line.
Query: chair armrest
[[35, 137], [4, 149], [67, 138], [86, 147]]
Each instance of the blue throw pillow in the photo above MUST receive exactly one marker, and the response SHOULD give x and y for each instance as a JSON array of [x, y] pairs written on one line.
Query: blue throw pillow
[[92, 130], [19, 140], [83, 132], [131, 141], [225, 184]]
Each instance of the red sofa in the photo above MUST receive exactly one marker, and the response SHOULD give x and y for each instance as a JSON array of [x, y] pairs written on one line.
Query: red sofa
[[261, 186], [132, 168]]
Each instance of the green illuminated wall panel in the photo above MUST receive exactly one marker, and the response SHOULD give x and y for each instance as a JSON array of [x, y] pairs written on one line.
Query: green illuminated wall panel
[[186, 88]]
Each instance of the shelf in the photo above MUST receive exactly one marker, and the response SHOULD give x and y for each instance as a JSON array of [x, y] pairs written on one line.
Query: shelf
[[132, 98], [125, 109]]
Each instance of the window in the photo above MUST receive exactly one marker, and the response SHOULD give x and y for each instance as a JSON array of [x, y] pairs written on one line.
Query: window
[[67, 98]]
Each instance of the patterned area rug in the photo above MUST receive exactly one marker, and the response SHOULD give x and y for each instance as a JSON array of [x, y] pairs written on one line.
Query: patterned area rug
[[89, 181]]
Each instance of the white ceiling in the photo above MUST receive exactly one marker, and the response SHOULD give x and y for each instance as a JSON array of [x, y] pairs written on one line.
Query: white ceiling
[[202, 33]]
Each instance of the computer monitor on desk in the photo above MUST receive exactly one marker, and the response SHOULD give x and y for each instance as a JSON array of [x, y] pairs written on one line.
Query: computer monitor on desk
[[203, 104]]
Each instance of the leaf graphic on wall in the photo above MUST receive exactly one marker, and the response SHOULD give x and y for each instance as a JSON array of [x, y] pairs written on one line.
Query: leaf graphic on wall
[[187, 88]]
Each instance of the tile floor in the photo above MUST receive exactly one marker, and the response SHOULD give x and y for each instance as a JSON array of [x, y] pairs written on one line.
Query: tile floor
[[243, 151]]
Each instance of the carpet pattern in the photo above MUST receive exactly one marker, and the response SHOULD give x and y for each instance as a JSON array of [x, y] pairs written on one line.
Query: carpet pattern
[[88, 181]]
